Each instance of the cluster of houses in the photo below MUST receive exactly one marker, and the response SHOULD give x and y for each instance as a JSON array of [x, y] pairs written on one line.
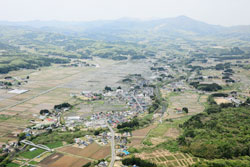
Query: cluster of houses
[[137, 98], [83, 142], [45, 121], [88, 95], [121, 144], [9, 82], [8, 147]]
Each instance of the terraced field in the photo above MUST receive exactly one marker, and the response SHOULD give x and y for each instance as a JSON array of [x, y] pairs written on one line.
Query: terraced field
[[165, 158]]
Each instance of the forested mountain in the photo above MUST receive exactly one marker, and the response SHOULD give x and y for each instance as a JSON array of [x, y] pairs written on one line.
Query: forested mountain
[[120, 39], [181, 25]]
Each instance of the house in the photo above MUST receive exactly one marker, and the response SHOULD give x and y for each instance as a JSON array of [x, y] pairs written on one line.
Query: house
[[32, 149], [178, 111], [73, 118], [234, 100], [126, 152], [103, 164]]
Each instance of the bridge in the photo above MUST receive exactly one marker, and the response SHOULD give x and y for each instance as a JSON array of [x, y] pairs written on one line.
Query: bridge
[[36, 145]]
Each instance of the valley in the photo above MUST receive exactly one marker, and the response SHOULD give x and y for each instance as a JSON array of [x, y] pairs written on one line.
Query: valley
[[168, 92]]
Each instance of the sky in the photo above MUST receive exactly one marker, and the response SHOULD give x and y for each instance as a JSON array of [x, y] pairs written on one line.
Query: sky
[[219, 12]]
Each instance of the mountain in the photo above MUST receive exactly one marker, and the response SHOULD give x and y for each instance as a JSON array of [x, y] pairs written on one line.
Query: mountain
[[117, 29]]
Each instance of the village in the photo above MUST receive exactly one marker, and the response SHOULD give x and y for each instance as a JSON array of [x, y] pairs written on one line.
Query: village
[[136, 96]]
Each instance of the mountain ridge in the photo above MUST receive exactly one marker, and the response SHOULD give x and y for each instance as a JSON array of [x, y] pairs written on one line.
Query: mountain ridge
[[105, 29]]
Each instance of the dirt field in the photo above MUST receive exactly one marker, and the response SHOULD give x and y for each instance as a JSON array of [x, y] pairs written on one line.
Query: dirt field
[[52, 158], [60, 160], [139, 135], [135, 141], [101, 153], [168, 159], [172, 133], [143, 132], [221, 100], [93, 151]]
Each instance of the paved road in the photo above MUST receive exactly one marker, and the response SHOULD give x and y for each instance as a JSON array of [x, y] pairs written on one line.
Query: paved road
[[36, 145], [112, 146]]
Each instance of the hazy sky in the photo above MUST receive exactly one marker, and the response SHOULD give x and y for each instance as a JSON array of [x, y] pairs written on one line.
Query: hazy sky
[[223, 12]]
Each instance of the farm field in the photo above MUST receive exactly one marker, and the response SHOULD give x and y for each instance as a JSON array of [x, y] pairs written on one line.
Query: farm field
[[31, 154], [191, 100], [92, 151], [165, 158], [53, 85], [139, 135], [166, 130], [143, 132], [60, 160]]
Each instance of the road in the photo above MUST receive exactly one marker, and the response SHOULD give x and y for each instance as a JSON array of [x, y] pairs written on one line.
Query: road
[[36, 145], [137, 102], [112, 146]]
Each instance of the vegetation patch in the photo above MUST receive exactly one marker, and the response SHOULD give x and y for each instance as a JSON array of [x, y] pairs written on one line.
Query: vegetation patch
[[138, 162], [220, 134], [32, 154]]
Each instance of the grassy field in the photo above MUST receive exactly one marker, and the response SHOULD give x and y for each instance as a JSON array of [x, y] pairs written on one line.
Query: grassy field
[[54, 145], [31, 154], [12, 165], [190, 100], [162, 129]]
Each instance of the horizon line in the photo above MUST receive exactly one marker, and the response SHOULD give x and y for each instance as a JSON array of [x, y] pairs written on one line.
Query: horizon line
[[120, 18]]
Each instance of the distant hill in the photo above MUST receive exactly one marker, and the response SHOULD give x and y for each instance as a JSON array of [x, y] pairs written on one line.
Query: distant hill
[[116, 29]]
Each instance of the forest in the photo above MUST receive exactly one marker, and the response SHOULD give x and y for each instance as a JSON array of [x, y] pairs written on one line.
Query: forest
[[28, 62], [218, 133]]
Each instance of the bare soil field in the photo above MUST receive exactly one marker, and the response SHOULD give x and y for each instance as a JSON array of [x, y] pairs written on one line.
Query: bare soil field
[[93, 151], [135, 141], [66, 161], [10, 125], [85, 152], [143, 132], [168, 159], [173, 133], [101, 153], [139, 135], [156, 140], [42, 157], [50, 159], [221, 100]]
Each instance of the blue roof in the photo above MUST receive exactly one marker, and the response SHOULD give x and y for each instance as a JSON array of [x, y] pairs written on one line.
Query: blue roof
[[126, 152]]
